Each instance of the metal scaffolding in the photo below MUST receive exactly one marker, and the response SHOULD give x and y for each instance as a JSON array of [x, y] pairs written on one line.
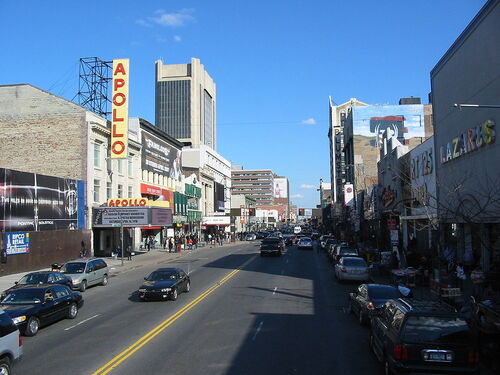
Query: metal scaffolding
[[95, 75]]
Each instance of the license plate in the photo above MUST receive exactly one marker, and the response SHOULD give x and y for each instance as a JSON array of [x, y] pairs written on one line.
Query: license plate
[[437, 356]]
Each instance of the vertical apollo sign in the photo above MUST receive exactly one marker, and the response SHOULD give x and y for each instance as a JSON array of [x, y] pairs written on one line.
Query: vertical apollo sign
[[119, 124]]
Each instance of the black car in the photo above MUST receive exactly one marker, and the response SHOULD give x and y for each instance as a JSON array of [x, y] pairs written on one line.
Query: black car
[[34, 306], [165, 283], [272, 246], [368, 298], [40, 277], [289, 239], [410, 336]]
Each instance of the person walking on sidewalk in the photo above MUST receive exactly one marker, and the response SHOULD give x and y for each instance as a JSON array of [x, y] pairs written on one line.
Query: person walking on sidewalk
[[170, 244]]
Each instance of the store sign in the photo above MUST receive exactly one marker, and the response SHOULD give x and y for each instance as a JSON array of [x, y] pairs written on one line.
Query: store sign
[[471, 140], [423, 179], [116, 217], [127, 202], [119, 109], [150, 190], [17, 243], [161, 217], [216, 220], [180, 219]]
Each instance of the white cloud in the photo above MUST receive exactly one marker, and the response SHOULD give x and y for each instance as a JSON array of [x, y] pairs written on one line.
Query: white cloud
[[309, 121], [297, 196], [305, 186], [176, 19], [144, 23], [177, 38]]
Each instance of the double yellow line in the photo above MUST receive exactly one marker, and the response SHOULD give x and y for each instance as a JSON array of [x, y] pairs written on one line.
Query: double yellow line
[[120, 358]]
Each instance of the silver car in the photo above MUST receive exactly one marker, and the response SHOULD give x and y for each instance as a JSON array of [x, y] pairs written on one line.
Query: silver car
[[352, 268], [305, 243], [11, 346], [86, 272]]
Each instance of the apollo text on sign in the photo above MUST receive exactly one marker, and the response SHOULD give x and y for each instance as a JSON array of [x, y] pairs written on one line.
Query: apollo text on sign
[[119, 108]]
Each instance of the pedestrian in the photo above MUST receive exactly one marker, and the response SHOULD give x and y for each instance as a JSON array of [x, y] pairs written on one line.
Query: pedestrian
[[170, 244], [477, 278], [128, 253], [190, 243], [210, 239], [147, 244], [195, 241]]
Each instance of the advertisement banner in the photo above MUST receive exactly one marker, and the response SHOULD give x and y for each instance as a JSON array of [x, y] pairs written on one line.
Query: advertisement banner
[[17, 243], [160, 157], [161, 217], [119, 109], [116, 217], [280, 188], [34, 202], [348, 195], [218, 197]]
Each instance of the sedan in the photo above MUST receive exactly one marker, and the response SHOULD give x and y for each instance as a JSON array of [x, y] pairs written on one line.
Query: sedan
[[250, 237], [305, 243], [368, 298], [165, 283], [35, 306], [352, 268], [41, 277]]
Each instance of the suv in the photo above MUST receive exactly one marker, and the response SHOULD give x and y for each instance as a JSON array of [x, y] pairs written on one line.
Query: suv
[[11, 343], [86, 272], [411, 336]]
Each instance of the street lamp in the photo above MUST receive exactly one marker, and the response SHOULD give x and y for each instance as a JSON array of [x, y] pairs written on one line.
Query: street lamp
[[460, 106]]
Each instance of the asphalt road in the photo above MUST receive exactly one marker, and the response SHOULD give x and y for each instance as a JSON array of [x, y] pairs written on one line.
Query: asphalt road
[[244, 315]]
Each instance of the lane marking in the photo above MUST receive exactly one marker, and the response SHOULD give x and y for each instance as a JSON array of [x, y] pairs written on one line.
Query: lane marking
[[120, 358], [274, 292], [258, 330], [83, 321]]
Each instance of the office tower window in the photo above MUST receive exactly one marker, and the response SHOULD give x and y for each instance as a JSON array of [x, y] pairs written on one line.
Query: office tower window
[[208, 120], [173, 107]]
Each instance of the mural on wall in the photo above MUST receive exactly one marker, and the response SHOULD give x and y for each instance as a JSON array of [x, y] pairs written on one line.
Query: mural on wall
[[34, 202]]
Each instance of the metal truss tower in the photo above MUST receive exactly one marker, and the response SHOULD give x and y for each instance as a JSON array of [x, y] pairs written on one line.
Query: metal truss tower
[[95, 76]]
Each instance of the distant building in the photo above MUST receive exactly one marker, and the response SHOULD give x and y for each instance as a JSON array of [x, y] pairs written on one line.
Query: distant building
[[186, 103], [257, 184]]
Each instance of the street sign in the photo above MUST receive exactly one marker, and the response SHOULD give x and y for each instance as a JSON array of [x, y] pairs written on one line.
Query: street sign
[[116, 225]]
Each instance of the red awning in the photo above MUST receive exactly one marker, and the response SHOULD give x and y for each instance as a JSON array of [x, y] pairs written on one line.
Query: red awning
[[151, 227]]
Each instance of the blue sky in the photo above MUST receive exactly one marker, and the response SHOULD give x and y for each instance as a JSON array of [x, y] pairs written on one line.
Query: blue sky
[[274, 62]]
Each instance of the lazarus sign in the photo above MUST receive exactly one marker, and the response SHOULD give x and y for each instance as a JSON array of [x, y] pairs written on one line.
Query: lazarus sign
[[119, 108]]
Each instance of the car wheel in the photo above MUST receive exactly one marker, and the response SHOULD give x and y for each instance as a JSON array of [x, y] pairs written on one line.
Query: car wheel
[[83, 286], [72, 311], [32, 326], [5, 366], [174, 295], [104, 281], [188, 287]]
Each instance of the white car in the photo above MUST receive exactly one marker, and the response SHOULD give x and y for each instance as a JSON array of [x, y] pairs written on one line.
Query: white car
[[352, 268], [11, 344], [305, 243], [250, 237]]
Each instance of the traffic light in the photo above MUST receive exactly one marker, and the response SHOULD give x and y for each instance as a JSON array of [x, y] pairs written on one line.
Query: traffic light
[[251, 212], [301, 212]]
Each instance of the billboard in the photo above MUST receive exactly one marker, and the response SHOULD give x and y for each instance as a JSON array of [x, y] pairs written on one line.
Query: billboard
[[158, 156], [280, 188], [34, 202], [119, 109], [404, 121], [348, 195], [218, 197], [17, 243]]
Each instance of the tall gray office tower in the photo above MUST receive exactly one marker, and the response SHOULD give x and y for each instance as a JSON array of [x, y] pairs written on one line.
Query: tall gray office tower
[[186, 102]]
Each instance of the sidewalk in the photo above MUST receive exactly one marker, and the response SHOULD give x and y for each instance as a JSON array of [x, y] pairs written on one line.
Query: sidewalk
[[140, 259]]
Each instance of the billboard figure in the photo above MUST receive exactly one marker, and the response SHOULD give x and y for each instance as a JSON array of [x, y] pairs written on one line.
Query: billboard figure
[[379, 125]]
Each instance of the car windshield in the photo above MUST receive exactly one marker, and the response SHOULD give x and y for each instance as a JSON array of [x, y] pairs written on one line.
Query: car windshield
[[76, 267], [162, 276], [383, 293], [419, 329], [34, 278], [23, 296], [346, 251], [305, 239], [354, 262]]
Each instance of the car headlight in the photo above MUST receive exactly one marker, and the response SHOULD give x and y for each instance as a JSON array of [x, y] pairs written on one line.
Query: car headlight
[[19, 319], [142, 290], [165, 290], [75, 281]]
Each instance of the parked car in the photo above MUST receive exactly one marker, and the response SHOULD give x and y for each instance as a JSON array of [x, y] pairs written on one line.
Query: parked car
[[411, 336], [250, 237], [368, 298], [35, 306], [165, 283], [342, 251], [86, 272], [40, 277], [323, 239], [305, 243], [352, 268], [11, 343]]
